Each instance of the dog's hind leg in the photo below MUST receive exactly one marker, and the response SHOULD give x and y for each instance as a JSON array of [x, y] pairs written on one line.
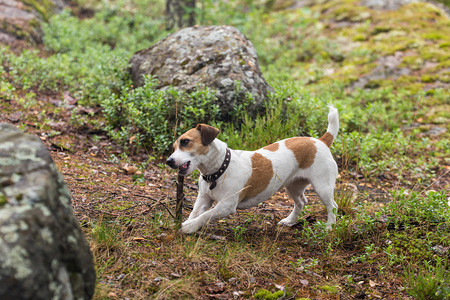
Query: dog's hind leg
[[296, 191], [325, 191]]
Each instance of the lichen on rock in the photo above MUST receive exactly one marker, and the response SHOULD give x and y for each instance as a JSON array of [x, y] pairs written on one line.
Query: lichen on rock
[[21, 19], [214, 56], [38, 256]]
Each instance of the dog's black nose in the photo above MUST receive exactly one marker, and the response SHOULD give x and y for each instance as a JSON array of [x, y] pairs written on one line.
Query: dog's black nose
[[171, 163]]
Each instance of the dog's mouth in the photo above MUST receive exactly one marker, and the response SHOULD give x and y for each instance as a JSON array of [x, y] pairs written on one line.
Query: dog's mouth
[[184, 167]]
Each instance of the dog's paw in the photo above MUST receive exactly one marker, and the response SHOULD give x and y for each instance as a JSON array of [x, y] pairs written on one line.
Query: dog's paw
[[329, 226], [287, 222], [189, 227]]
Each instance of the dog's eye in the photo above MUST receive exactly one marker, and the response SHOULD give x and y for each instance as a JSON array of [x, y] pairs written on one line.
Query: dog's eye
[[184, 142]]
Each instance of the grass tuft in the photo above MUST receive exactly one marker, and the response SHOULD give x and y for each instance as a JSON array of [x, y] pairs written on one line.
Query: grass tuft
[[428, 281]]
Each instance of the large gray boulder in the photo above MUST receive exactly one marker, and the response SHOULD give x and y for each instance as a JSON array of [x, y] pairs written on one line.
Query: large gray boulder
[[43, 254], [20, 20], [213, 56]]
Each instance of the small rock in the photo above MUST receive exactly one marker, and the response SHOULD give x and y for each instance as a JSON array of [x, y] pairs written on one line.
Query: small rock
[[440, 250], [121, 276], [217, 237], [436, 131], [232, 280], [161, 237]]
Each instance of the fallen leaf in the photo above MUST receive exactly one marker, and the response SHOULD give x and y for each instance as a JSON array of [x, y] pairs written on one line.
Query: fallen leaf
[[217, 288], [130, 169], [15, 117], [112, 295], [69, 99], [138, 238], [372, 283]]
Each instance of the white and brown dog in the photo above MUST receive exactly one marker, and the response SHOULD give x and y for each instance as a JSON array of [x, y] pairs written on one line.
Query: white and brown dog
[[237, 179]]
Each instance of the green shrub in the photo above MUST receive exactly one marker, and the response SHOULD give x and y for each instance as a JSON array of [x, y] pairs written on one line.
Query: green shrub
[[90, 56], [418, 225], [410, 207], [91, 76], [108, 27], [146, 116], [427, 282]]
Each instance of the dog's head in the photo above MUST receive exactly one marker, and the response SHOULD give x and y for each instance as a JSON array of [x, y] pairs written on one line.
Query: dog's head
[[191, 147]]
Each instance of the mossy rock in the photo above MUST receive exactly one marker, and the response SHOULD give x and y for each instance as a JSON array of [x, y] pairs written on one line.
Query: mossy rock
[[21, 20], [405, 47], [347, 10]]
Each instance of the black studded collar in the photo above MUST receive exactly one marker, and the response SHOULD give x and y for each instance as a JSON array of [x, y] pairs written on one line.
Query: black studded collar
[[211, 178]]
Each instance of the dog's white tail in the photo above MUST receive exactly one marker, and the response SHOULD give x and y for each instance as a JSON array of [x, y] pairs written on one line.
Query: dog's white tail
[[333, 127]]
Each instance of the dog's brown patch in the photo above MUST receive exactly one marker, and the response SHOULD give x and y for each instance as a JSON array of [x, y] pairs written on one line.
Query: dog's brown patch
[[303, 149], [327, 138], [195, 144], [272, 147], [262, 173]]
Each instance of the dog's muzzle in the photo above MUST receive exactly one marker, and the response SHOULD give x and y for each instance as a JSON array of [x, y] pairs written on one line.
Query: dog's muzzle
[[181, 169], [171, 163]]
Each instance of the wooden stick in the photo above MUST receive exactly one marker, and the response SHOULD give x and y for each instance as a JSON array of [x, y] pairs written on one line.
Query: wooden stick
[[180, 198]]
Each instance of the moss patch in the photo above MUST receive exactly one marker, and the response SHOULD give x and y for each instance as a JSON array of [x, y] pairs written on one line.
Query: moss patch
[[3, 200], [404, 50], [266, 295], [45, 8], [331, 289]]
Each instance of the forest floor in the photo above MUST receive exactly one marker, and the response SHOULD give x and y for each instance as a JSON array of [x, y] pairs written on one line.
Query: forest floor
[[125, 205]]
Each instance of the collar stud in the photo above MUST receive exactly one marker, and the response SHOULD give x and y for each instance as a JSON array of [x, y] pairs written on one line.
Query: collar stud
[[211, 178]]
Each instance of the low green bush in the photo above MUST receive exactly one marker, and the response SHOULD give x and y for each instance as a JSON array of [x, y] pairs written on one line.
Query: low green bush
[[145, 116], [428, 282]]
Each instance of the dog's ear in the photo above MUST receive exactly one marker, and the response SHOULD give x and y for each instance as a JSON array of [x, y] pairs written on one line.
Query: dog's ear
[[207, 133]]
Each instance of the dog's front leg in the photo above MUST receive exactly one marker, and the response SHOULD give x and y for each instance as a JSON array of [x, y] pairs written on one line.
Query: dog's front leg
[[222, 209], [202, 204]]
